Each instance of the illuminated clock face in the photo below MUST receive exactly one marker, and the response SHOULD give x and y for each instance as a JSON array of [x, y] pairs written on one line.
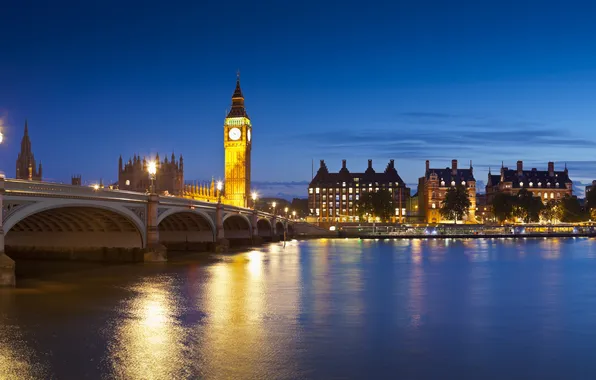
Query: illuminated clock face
[[234, 134], [248, 135]]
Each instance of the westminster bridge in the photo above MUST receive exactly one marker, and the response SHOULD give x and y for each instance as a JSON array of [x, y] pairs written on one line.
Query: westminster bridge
[[81, 222]]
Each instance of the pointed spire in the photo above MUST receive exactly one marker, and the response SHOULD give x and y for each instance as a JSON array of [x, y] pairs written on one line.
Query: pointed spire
[[237, 109], [26, 128]]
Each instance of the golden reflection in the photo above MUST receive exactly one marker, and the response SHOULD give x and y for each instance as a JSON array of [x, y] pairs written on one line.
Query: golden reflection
[[416, 251], [551, 248], [149, 342], [17, 361], [245, 317]]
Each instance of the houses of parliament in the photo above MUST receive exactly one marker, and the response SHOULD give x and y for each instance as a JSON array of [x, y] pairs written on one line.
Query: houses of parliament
[[169, 178]]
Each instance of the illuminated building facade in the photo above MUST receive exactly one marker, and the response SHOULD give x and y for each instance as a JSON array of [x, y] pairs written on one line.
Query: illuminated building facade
[[333, 197], [169, 178], [434, 185], [237, 146], [26, 166], [546, 184]]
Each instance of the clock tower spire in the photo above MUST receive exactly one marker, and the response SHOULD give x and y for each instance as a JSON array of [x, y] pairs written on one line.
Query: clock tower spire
[[237, 147]]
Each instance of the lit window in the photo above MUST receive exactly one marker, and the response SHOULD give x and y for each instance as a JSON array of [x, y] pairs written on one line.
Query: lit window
[[545, 196], [531, 184], [310, 190], [357, 196], [343, 184], [434, 205], [127, 182], [452, 183], [552, 195], [350, 190], [548, 184], [463, 183], [343, 197], [442, 183], [317, 190], [539, 184], [521, 184], [557, 184]]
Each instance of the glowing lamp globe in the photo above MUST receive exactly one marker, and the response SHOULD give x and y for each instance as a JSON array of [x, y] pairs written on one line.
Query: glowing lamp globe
[[152, 167]]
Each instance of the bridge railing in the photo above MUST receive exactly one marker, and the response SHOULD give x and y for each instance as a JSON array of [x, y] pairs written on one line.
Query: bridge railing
[[59, 189]]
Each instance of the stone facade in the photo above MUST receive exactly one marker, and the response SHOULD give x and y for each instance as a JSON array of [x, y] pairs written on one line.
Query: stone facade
[[433, 186], [169, 179], [546, 184], [26, 166], [333, 197]]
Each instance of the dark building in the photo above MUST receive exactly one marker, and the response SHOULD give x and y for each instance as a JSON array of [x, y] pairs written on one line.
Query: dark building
[[26, 166], [76, 180], [546, 184], [434, 185], [169, 178], [332, 197]]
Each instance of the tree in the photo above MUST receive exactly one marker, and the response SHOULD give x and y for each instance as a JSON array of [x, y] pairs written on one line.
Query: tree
[[375, 205], [572, 210], [591, 201], [503, 205], [528, 207], [551, 211], [456, 203]]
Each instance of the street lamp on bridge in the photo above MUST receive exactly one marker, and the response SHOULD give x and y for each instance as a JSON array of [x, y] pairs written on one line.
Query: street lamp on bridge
[[152, 170], [254, 197], [286, 211], [219, 186], [294, 214], [273, 204]]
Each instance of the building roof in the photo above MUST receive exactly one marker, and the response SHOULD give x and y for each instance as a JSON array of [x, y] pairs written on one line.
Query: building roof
[[324, 178], [446, 175], [238, 109], [538, 178]]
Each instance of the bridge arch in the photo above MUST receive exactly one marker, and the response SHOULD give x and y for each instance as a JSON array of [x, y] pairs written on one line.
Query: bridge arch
[[264, 228], [237, 226], [79, 224], [186, 226], [279, 229]]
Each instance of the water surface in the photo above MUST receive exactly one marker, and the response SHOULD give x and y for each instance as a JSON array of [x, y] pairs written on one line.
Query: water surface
[[324, 309]]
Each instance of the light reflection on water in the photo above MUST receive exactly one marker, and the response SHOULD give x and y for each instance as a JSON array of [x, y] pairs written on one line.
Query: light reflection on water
[[422, 308]]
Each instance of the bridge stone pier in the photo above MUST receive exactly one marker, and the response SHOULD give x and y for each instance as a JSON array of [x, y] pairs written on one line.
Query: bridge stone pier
[[54, 221]]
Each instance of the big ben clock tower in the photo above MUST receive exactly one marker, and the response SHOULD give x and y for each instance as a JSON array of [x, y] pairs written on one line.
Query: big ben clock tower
[[237, 146]]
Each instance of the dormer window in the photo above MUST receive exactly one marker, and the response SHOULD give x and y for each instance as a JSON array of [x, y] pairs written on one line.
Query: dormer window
[[548, 184], [531, 184], [539, 184], [442, 183], [557, 184], [452, 183], [521, 184], [463, 183]]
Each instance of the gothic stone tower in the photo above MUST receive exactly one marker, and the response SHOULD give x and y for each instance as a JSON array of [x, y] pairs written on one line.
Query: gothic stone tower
[[237, 146], [26, 167]]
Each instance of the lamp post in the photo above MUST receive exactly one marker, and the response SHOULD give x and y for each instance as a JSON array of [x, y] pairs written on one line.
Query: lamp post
[[286, 211], [294, 214], [152, 170], [219, 186], [254, 197], [1, 136], [274, 204]]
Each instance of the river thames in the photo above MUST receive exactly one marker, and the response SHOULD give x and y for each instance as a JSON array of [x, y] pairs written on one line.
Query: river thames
[[319, 309]]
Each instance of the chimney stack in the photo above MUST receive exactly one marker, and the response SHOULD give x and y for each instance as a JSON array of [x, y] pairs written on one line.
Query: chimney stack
[[392, 163], [551, 169], [322, 163], [370, 164], [453, 167], [520, 167], [343, 164], [427, 165]]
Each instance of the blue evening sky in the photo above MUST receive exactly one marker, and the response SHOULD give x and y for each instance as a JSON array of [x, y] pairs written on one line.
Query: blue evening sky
[[410, 80]]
